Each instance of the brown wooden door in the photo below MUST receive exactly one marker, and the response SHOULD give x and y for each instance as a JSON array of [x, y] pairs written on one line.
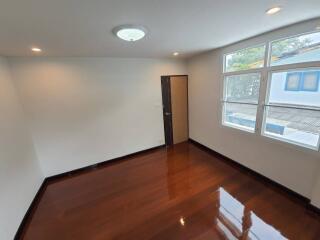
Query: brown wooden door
[[175, 108]]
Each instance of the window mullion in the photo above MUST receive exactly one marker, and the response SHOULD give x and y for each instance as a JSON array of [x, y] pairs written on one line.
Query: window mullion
[[262, 96], [263, 91]]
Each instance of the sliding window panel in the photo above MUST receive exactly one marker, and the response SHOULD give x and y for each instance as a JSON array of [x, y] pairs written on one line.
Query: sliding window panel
[[293, 125], [239, 115], [243, 88]]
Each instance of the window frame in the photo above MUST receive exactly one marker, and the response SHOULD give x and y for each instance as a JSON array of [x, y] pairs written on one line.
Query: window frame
[[284, 38], [283, 140], [264, 92], [267, 104], [235, 126], [224, 102], [243, 49]]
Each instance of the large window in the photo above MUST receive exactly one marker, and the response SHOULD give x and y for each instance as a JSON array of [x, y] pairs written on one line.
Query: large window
[[241, 89], [290, 111]]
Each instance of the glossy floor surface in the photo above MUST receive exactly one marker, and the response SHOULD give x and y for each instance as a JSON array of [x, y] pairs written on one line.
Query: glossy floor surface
[[182, 192]]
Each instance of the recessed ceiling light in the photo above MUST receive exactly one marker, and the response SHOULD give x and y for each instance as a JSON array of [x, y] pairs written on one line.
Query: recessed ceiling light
[[130, 33], [35, 49], [175, 54], [273, 10]]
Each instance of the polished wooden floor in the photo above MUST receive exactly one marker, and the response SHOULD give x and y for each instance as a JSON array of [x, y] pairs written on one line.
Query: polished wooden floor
[[182, 192]]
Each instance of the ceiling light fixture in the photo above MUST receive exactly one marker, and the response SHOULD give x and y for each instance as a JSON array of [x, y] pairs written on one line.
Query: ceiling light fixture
[[130, 33], [273, 10], [36, 49], [175, 54]]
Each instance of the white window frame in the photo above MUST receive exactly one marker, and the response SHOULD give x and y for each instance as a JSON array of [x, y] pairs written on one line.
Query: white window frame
[[224, 101], [266, 73], [225, 74], [267, 104], [243, 49], [284, 38]]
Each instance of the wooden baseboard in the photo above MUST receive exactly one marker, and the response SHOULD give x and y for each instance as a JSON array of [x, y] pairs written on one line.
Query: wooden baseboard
[[313, 209], [93, 167], [34, 204], [32, 208], [302, 199]]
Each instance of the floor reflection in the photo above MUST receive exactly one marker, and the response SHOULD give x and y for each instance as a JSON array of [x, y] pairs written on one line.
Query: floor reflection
[[235, 221], [178, 175]]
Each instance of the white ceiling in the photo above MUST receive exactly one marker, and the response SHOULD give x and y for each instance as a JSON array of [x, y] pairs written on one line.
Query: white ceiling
[[83, 27]]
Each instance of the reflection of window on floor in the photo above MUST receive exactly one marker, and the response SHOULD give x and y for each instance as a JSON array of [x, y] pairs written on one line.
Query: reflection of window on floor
[[235, 221]]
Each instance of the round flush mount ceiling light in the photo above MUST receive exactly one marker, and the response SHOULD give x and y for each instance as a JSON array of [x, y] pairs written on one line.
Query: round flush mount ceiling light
[[175, 54], [273, 10], [130, 33], [36, 49]]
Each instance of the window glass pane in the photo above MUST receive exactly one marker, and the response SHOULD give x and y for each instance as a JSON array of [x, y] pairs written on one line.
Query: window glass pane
[[293, 125], [242, 88], [305, 48], [299, 88], [249, 58], [240, 116]]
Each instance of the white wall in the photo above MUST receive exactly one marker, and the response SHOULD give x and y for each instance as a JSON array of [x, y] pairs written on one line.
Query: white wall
[[286, 164], [20, 176], [87, 110]]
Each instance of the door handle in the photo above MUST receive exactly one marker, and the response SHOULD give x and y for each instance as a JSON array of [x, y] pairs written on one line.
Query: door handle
[[167, 114]]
